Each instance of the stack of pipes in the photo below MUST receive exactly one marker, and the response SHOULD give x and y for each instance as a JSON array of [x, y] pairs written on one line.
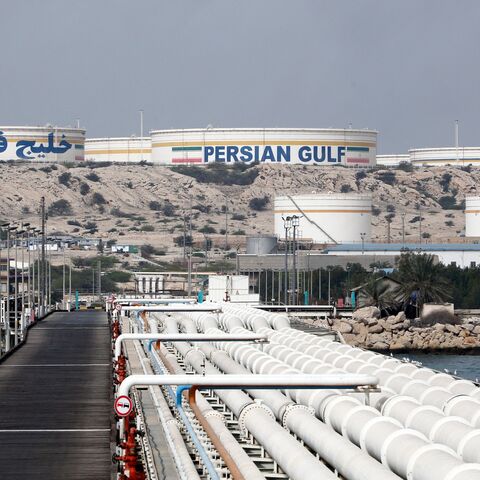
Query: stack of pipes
[[424, 424]]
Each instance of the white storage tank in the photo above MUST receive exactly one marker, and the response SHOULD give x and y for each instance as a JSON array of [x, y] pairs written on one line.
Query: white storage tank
[[472, 216], [261, 245], [326, 218], [119, 150], [275, 146], [42, 144]]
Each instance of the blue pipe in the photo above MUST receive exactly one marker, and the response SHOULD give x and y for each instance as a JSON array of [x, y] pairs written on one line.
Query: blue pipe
[[178, 403]]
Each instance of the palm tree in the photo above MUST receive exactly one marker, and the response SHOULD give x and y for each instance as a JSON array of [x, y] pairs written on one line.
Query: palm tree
[[422, 280], [380, 294]]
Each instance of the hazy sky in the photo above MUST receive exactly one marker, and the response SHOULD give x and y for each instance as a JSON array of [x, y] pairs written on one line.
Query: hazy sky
[[407, 68]]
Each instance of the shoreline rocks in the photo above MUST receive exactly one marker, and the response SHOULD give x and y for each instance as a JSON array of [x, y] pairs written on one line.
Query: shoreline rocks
[[397, 333]]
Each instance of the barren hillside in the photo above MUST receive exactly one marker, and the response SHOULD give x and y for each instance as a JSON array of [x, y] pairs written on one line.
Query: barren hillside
[[145, 204]]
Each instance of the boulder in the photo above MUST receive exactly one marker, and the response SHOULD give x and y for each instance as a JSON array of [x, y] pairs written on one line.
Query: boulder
[[400, 344], [366, 312], [470, 341], [452, 328], [375, 329], [439, 327], [400, 317], [476, 330], [377, 337], [344, 327], [399, 326], [380, 346]]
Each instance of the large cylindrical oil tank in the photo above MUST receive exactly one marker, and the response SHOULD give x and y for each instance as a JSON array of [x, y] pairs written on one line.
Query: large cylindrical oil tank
[[302, 146], [261, 244], [472, 216], [42, 144], [119, 150], [326, 218], [460, 157]]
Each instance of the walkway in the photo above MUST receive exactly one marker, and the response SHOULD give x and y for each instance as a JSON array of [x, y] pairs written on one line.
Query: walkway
[[55, 401]]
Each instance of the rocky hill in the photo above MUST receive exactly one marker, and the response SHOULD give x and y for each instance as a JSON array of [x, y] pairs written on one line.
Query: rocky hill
[[146, 204]]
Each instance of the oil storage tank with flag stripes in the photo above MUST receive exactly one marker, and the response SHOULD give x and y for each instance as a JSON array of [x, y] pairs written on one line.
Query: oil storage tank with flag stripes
[[301, 146]]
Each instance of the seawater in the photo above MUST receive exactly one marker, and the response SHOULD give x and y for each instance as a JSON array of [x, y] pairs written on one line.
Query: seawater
[[465, 366]]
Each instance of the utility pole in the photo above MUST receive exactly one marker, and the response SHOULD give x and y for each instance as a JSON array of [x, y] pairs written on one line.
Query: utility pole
[[141, 135], [226, 223], [286, 224], [403, 228], [43, 266], [93, 284], [389, 221], [70, 283], [420, 224], [99, 266], [15, 332], [329, 293], [63, 278], [295, 225], [190, 241]]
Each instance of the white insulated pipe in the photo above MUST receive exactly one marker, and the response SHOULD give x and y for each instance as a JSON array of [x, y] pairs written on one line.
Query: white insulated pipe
[[345, 457], [384, 439], [181, 337], [196, 307], [292, 457], [217, 422], [249, 381], [175, 440], [353, 360], [454, 432]]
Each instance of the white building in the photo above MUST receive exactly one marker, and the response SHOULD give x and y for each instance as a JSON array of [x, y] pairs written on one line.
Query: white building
[[458, 254], [230, 288]]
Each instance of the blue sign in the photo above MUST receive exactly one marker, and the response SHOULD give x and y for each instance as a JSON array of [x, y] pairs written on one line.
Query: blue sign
[[274, 154], [27, 149], [3, 142]]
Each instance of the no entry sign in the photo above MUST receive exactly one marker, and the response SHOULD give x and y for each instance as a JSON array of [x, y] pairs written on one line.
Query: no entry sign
[[123, 406]]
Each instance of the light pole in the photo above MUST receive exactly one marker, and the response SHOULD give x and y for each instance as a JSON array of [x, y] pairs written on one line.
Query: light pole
[[329, 295], [141, 135], [295, 225], [226, 223], [63, 277], [188, 190], [22, 318], [69, 282], [287, 224], [15, 307], [7, 228], [403, 228]]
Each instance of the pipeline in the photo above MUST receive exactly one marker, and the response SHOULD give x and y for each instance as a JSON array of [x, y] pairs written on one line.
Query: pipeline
[[407, 453], [178, 449], [355, 360], [291, 456], [235, 458]]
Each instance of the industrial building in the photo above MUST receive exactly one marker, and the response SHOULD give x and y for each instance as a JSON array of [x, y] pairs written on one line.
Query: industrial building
[[42, 144]]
